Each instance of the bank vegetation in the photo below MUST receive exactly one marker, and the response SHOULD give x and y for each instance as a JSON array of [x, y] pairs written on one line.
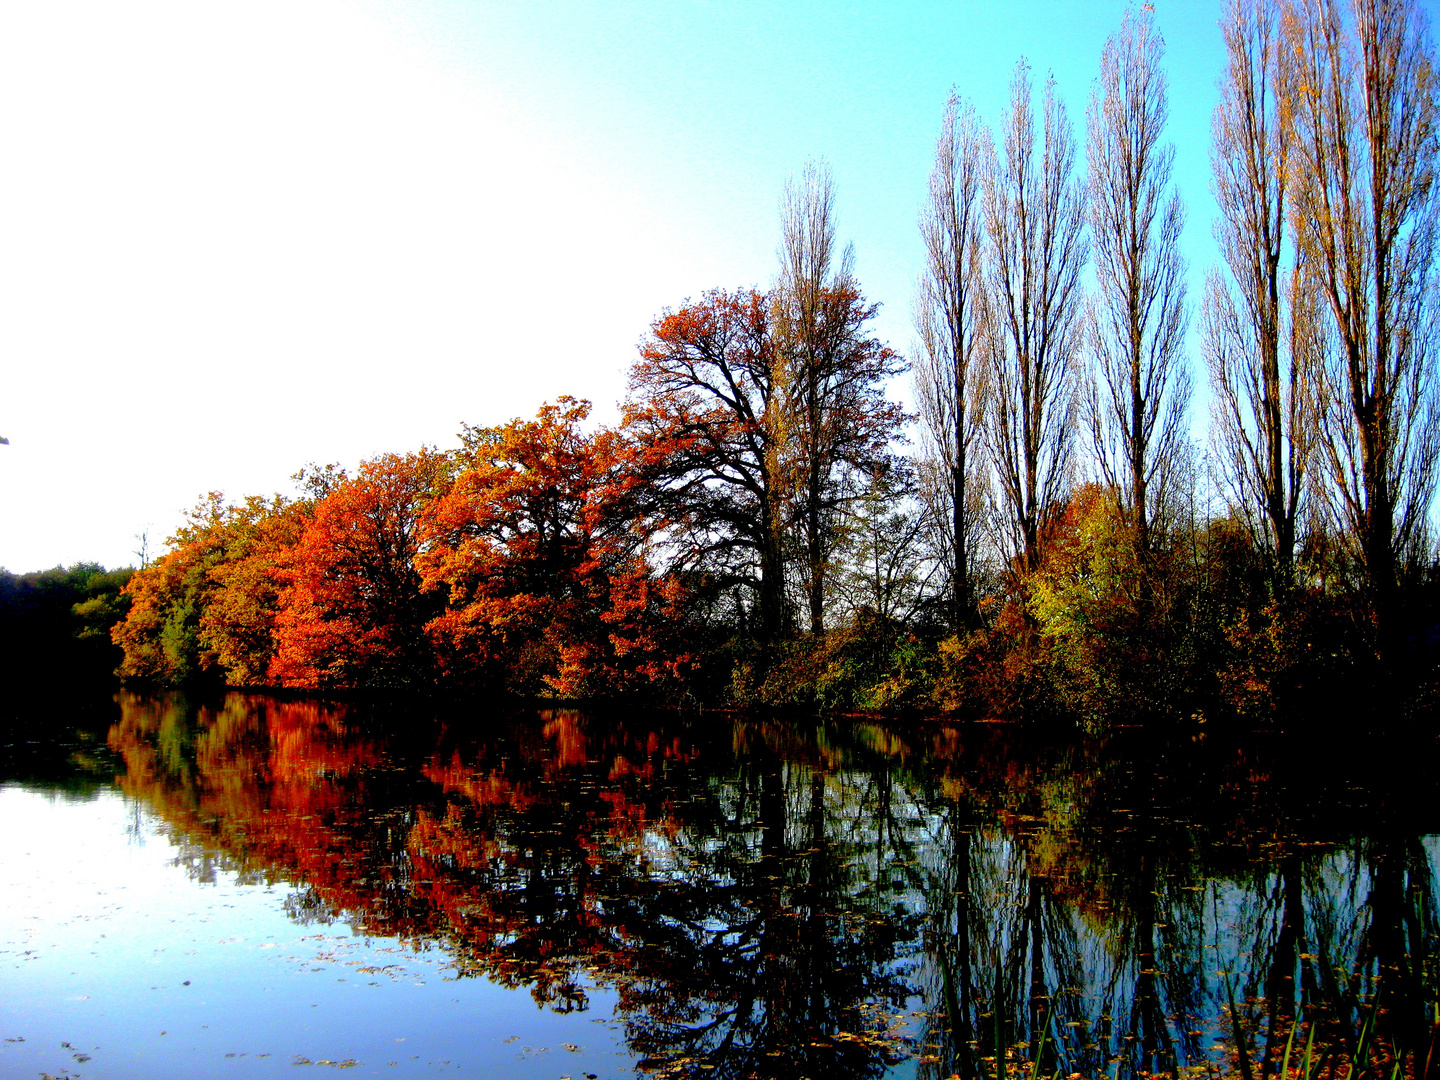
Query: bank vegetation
[[757, 530]]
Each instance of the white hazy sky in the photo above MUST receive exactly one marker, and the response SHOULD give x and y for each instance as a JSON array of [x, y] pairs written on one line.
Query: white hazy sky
[[239, 237]]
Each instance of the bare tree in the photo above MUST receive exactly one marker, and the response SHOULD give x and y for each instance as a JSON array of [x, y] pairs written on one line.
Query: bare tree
[[1035, 215], [950, 321], [1364, 110], [1141, 388], [885, 571], [838, 423], [1261, 338]]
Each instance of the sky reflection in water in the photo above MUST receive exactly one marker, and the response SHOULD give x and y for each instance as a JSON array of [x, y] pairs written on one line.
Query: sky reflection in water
[[125, 956], [284, 881]]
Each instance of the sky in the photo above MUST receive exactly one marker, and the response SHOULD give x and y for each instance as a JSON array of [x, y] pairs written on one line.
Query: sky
[[240, 237]]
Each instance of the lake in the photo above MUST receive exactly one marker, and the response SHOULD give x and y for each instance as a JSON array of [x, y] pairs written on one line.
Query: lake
[[247, 885]]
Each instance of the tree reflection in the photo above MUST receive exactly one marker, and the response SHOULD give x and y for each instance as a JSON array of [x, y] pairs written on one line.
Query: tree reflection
[[772, 964], [767, 899]]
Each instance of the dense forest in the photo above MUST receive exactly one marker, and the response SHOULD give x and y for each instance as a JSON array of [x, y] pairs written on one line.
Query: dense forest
[[56, 624], [764, 525]]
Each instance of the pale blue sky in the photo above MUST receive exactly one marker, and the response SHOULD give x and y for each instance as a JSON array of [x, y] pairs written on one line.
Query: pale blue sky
[[236, 238]]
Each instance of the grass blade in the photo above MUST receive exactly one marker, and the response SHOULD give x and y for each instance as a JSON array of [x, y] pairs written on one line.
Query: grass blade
[[1240, 1046], [1285, 1058]]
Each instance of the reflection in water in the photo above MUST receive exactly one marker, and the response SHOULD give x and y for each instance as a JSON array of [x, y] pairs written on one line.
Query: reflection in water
[[769, 899]]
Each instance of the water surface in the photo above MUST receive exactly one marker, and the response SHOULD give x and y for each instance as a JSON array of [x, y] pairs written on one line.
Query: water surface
[[250, 884]]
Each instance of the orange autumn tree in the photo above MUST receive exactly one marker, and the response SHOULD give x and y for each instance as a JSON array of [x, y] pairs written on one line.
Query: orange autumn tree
[[707, 399], [160, 634], [207, 607], [353, 609], [238, 622], [538, 547]]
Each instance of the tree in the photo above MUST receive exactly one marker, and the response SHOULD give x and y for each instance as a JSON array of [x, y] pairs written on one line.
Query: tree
[[1035, 218], [208, 606], [353, 610], [885, 574], [1141, 388], [951, 322], [159, 635], [1363, 115], [1260, 337], [704, 399], [55, 624], [838, 424], [541, 559], [237, 620], [1095, 606]]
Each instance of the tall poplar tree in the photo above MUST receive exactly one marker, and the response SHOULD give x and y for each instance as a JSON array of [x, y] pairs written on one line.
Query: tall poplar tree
[[1035, 211], [838, 425], [1141, 387], [1261, 338], [1363, 105], [951, 323]]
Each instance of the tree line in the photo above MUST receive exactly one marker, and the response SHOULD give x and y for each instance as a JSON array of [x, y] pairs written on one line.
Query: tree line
[[55, 624], [752, 530]]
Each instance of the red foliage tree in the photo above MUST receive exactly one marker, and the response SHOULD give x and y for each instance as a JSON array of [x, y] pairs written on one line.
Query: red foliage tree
[[758, 443], [544, 571], [706, 398], [354, 610]]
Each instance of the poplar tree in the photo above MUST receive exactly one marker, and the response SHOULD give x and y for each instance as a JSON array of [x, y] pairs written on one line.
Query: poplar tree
[[1262, 341], [1363, 116], [1141, 386], [951, 324], [1035, 212], [838, 425]]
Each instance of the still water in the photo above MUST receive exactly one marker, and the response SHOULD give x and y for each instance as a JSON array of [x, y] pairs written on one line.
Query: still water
[[247, 885]]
